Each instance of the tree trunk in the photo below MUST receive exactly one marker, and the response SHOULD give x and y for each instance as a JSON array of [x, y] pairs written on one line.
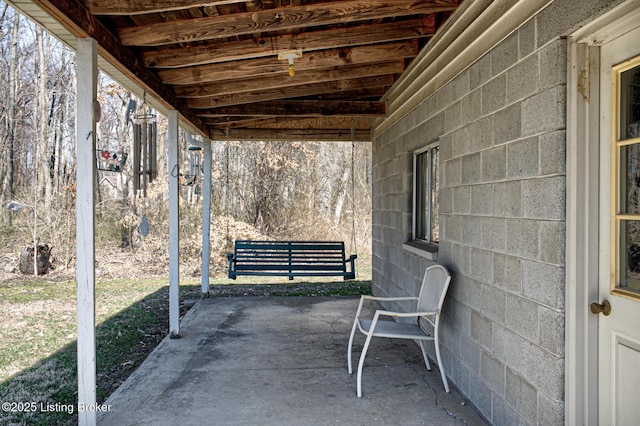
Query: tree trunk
[[42, 121], [43, 260], [7, 185]]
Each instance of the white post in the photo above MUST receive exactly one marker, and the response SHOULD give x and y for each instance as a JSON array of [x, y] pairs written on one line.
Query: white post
[[87, 77], [206, 218], [174, 226]]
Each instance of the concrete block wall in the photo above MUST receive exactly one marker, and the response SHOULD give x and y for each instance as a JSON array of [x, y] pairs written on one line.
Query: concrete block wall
[[501, 129]]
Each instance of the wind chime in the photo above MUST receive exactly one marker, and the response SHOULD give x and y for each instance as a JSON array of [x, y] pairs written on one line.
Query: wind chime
[[192, 178], [145, 147]]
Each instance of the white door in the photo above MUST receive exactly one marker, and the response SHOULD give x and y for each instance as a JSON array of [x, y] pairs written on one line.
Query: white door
[[619, 279]]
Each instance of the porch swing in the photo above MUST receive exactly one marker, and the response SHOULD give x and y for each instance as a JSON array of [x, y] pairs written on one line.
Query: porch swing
[[295, 258]]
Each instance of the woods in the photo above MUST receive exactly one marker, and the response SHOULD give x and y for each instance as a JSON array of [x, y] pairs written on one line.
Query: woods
[[313, 190]]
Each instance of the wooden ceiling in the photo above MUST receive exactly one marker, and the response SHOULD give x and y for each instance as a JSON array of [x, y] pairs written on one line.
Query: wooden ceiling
[[217, 62]]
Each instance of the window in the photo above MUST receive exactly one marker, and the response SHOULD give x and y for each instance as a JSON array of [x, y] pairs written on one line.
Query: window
[[625, 132], [426, 223]]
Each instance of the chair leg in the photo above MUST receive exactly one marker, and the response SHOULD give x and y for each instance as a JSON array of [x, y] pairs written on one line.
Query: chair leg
[[361, 363], [444, 377], [353, 332], [423, 347]]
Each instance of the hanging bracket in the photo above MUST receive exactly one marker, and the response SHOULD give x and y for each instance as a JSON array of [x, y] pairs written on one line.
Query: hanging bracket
[[290, 56]]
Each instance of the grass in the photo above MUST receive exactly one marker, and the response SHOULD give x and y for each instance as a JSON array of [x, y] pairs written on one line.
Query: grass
[[38, 348], [38, 345]]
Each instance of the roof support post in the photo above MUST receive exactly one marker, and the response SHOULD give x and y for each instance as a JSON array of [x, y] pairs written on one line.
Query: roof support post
[[87, 81], [206, 217], [174, 226]]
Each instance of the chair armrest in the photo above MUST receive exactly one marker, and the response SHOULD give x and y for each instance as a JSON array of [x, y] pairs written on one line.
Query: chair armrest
[[390, 299], [405, 314], [230, 256]]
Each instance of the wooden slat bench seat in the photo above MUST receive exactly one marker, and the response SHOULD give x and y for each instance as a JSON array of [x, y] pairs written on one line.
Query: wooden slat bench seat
[[290, 259]]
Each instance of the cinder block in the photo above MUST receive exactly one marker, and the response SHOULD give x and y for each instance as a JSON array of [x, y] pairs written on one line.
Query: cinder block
[[507, 199], [453, 116], [481, 264], [480, 394], [522, 238], [471, 106], [522, 396], [522, 317], [471, 231], [462, 254], [507, 271], [481, 134], [494, 94], [543, 283], [551, 237], [462, 200], [446, 147], [452, 172], [471, 168], [551, 326], [431, 130], [550, 411], [482, 199], [503, 414], [527, 38], [494, 233], [507, 347], [446, 201], [505, 54], [444, 97], [522, 158], [461, 142], [460, 85], [553, 64], [480, 72], [522, 79], [553, 152], [492, 303], [481, 330], [507, 124], [460, 376], [544, 198], [493, 372], [543, 370], [494, 164], [544, 112]]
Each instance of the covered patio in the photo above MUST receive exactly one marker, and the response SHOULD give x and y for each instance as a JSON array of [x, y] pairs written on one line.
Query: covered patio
[[281, 361]]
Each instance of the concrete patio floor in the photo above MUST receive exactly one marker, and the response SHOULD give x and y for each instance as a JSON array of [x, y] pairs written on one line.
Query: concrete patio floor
[[281, 361]]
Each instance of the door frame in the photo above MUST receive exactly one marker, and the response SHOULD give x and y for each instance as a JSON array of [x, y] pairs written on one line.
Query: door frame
[[583, 152]]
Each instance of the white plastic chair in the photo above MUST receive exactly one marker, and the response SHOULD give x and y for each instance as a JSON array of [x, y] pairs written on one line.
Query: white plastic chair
[[429, 304]]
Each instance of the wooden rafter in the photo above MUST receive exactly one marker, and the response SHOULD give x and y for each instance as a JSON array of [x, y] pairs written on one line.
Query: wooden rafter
[[299, 109], [307, 41], [252, 68], [283, 80], [284, 18], [138, 7], [217, 61], [289, 92]]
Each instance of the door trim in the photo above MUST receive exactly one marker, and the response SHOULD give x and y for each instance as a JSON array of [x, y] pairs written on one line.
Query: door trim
[[582, 207]]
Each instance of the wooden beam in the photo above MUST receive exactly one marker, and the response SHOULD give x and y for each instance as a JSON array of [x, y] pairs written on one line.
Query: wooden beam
[[87, 78], [82, 24], [283, 18], [206, 217], [333, 135], [307, 41], [173, 162], [289, 92], [324, 122], [137, 7], [300, 108], [252, 68], [284, 80]]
